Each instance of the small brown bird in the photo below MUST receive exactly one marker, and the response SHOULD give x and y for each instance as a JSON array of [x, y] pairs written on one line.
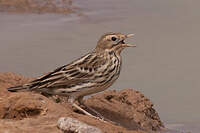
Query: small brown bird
[[92, 73]]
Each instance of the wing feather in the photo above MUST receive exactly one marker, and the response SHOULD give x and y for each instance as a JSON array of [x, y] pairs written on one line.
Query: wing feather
[[79, 72]]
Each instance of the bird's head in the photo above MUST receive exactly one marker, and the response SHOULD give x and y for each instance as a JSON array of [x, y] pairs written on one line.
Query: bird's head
[[113, 41]]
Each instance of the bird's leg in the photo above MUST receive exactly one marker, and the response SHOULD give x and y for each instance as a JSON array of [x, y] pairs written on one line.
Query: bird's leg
[[72, 101], [100, 117], [80, 100]]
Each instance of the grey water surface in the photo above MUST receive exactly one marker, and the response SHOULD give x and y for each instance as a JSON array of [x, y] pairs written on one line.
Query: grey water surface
[[164, 66]]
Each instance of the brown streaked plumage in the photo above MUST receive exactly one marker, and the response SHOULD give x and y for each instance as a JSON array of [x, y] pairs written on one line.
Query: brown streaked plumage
[[92, 73]]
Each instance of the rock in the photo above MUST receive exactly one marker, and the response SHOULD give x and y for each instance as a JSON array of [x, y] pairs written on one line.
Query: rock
[[68, 124]]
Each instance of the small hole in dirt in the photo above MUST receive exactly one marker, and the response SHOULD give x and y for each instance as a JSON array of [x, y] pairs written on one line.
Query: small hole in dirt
[[70, 132], [22, 113], [78, 111], [31, 112], [109, 97]]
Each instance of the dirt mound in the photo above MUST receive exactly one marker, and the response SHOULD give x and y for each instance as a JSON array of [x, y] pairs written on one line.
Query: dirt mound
[[33, 112], [127, 107], [19, 106]]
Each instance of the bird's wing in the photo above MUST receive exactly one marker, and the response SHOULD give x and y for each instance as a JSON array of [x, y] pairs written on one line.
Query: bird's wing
[[80, 72]]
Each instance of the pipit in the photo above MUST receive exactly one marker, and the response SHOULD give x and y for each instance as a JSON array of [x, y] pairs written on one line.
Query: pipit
[[92, 73]]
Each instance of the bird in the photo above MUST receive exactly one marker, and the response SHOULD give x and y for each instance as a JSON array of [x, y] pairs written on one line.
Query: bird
[[92, 73]]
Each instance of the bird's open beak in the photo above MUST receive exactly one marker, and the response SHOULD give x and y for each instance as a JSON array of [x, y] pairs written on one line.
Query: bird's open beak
[[130, 35], [126, 44]]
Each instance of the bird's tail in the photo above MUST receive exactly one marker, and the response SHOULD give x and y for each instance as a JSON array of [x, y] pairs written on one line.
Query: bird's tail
[[17, 88]]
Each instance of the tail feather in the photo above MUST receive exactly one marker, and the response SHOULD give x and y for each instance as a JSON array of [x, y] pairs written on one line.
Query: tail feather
[[16, 88]]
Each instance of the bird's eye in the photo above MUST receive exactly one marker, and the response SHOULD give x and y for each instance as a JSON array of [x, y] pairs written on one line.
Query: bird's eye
[[114, 38]]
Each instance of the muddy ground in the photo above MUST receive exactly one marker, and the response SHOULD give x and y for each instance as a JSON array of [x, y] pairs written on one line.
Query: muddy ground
[[32, 112]]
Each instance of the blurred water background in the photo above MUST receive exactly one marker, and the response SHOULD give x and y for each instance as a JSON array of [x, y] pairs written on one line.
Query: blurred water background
[[164, 66]]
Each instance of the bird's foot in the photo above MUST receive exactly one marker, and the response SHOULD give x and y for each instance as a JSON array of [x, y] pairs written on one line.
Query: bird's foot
[[94, 111], [89, 114], [98, 117]]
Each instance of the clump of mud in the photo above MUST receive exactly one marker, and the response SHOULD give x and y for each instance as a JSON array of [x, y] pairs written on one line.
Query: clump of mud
[[29, 112], [20, 106], [129, 108]]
